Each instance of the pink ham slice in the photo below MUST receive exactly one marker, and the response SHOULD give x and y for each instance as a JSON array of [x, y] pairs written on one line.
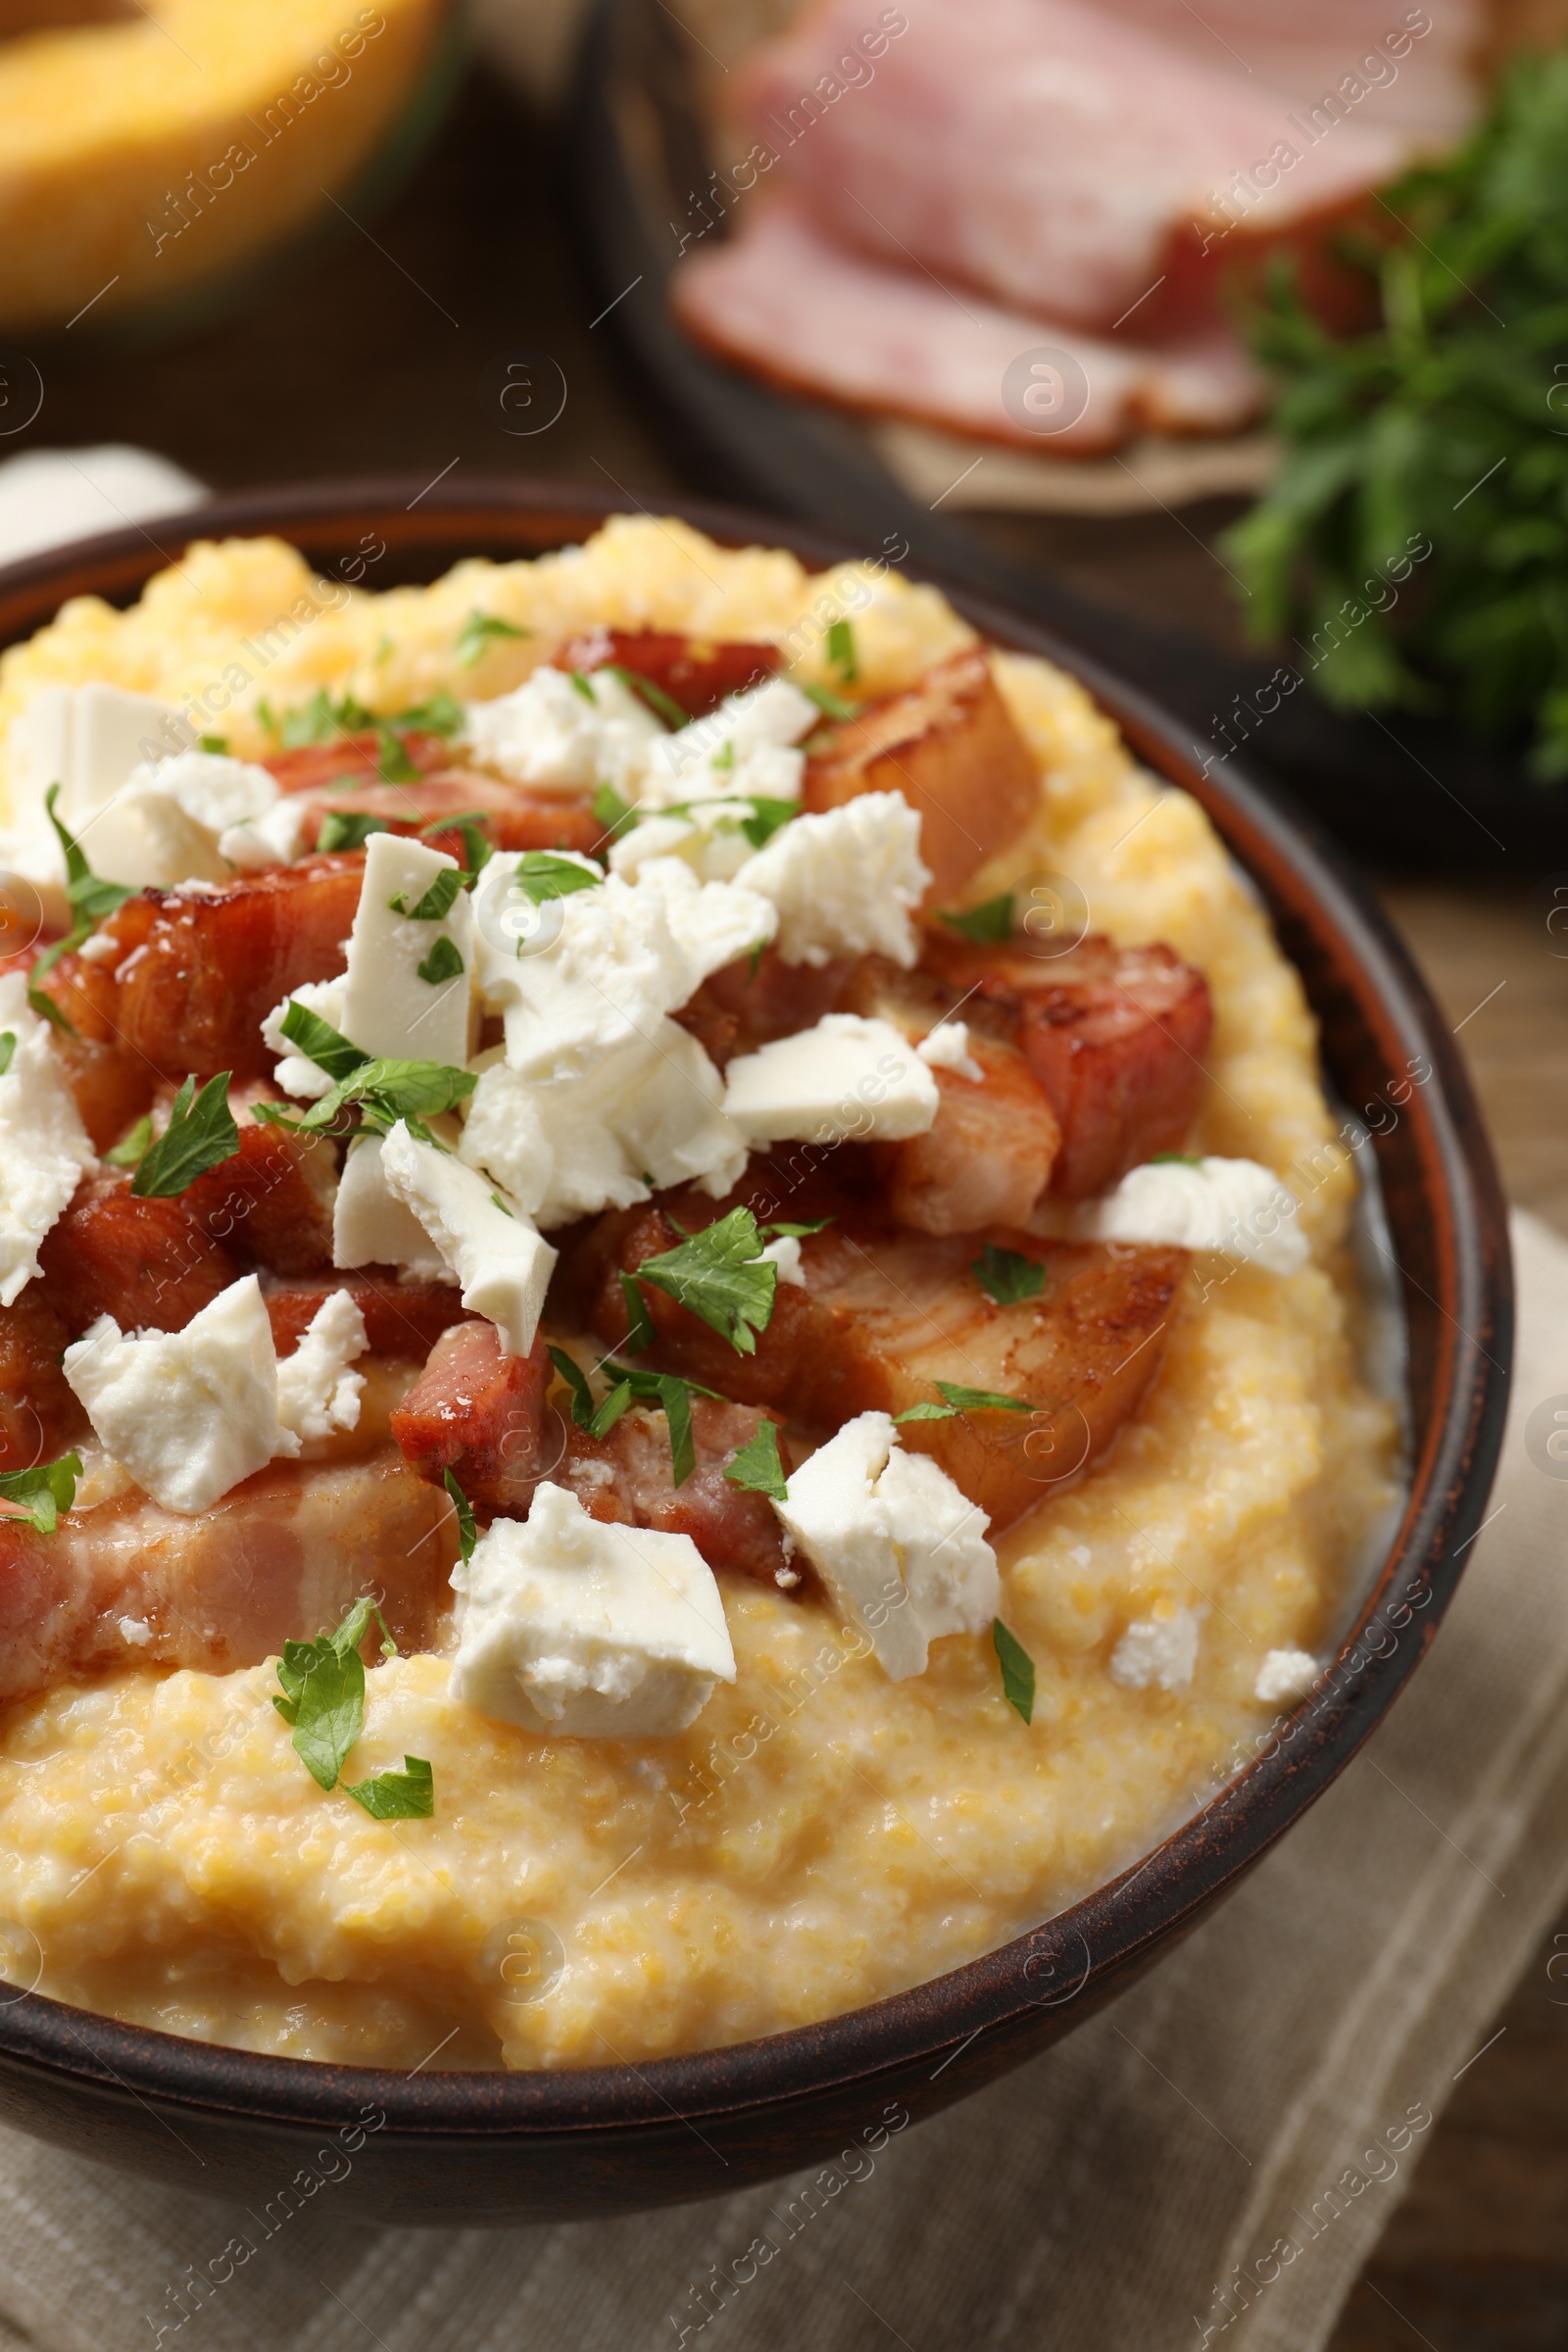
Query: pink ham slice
[[786, 300], [1041, 151], [278, 1559]]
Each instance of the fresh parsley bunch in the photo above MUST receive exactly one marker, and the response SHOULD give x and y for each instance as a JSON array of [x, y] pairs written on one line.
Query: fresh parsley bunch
[[1444, 428]]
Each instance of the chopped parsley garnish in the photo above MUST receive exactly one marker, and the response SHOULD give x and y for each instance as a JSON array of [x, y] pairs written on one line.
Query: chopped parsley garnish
[[323, 1700], [834, 705], [201, 1134], [319, 1041], [406, 1795], [544, 875], [127, 1154], [1007, 1275], [1175, 1159], [761, 821], [986, 923], [476, 850], [666, 1388], [8, 1047], [444, 962], [467, 1534], [640, 1331], [757, 1466], [720, 1275], [44, 1491], [384, 1090], [617, 816], [498, 1203], [768, 818], [212, 742], [663, 706], [345, 829], [437, 901], [580, 685], [440, 713], [841, 650], [91, 900], [956, 1399], [319, 721], [1017, 1670], [392, 763], [481, 631]]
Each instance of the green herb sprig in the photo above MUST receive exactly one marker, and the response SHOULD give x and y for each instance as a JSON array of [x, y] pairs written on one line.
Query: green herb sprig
[[1017, 1670], [664, 1389], [1007, 1276], [956, 1400], [91, 900], [323, 1700], [989, 924], [757, 1465], [481, 631], [201, 1135], [44, 1491]]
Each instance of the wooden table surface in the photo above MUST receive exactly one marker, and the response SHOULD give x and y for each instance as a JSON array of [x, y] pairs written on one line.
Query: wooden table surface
[[367, 356]]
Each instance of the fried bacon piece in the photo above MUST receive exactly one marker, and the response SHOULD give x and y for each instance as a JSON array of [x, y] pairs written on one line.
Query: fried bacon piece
[[950, 746], [402, 1319], [199, 974], [692, 671], [630, 1478], [885, 1316], [737, 1009], [39, 1416], [481, 1414], [313, 765], [272, 1201], [513, 817], [1116, 1037], [151, 1264], [279, 1557]]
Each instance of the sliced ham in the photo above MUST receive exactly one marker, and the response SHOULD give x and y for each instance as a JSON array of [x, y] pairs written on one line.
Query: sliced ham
[[1043, 152], [480, 1414], [1116, 1037], [628, 1477], [513, 819], [402, 1319], [787, 299], [270, 1202], [39, 1416], [695, 674], [151, 1264], [280, 1558]]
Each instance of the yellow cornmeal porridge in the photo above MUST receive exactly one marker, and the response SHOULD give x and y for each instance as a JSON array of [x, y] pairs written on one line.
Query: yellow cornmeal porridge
[[820, 1836]]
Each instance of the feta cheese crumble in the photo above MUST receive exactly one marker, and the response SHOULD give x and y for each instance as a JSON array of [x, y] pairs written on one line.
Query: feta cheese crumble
[[594, 1630], [372, 1227], [1285, 1676], [44, 1147], [900, 1548], [845, 882], [552, 730], [316, 1393], [165, 824], [275, 838], [390, 1005], [850, 1078], [1232, 1205], [746, 746], [710, 837], [946, 1048], [490, 1247], [296, 1073], [189, 1413], [1158, 1651], [87, 740], [785, 1253]]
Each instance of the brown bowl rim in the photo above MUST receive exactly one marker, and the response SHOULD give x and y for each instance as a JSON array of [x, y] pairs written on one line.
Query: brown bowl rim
[[1113, 1932]]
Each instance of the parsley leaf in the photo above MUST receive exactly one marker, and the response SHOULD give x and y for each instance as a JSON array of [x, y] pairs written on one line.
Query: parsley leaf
[[444, 962], [406, 1795], [640, 1331], [1017, 1670], [201, 1134], [436, 904], [544, 875], [795, 1233], [664, 706], [319, 1041], [212, 742], [317, 720], [440, 713], [467, 1534], [476, 850], [8, 1047], [392, 763], [720, 1277], [766, 819], [988, 923], [757, 1465], [343, 829], [956, 1399], [91, 897], [44, 1491], [833, 703], [323, 1692], [580, 685], [126, 1155], [666, 1388], [386, 1090], [617, 816], [481, 631], [1175, 1159], [841, 650], [572, 1372], [1007, 1276], [502, 1205]]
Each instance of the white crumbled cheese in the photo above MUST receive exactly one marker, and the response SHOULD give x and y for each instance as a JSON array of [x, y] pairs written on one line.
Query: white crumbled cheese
[[946, 1048], [1233, 1206], [785, 1253], [571, 1147], [845, 882], [44, 1147], [388, 1007], [550, 730], [190, 1412], [87, 739], [745, 746], [276, 838], [163, 827], [101, 948], [372, 1227], [847, 1079], [492, 1248], [1285, 1675], [1160, 1650], [592, 1631], [710, 837], [900, 1548], [601, 967], [135, 1630], [316, 1393], [102, 1479], [296, 1073]]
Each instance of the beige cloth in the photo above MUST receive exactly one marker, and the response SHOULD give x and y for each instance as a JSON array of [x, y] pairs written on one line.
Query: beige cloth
[[1251, 2108]]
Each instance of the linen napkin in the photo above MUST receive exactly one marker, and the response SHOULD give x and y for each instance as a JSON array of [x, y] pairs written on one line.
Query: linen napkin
[[48, 496], [1212, 2160]]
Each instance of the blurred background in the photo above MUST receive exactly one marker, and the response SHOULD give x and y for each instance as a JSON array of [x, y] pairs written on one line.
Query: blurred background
[[1252, 381]]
